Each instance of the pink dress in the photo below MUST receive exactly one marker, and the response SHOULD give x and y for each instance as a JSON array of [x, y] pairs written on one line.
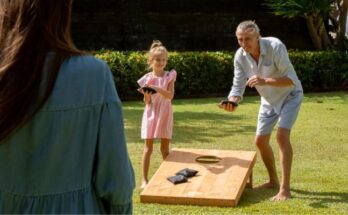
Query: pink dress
[[158, 115]]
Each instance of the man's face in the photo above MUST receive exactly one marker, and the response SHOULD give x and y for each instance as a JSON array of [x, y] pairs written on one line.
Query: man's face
[[248, 40]]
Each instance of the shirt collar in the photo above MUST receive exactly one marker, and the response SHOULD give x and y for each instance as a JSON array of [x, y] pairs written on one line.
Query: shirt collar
[[262, 48], [244, 53]]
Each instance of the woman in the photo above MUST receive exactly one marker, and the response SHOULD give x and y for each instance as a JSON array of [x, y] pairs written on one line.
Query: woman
[[62, 143]]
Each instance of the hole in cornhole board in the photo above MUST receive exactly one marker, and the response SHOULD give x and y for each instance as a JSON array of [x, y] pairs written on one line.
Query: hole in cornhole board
[[220, 181], [207, 159]]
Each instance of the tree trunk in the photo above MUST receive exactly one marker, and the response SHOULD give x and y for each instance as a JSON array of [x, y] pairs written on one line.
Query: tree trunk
[[342, 24], [323, 34], [313, 33]]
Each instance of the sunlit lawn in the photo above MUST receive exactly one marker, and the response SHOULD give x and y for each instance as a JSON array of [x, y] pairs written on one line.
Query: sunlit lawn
[[319, 139]]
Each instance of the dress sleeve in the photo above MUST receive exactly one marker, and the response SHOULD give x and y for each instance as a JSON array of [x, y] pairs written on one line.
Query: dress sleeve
[[113, 172], [144, 80], [172, 75]]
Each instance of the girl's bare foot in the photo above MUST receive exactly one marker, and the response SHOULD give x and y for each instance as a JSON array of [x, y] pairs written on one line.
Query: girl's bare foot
[[143, 185], [282, 195]]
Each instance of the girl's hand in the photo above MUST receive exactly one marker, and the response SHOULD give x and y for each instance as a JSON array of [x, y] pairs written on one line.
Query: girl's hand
[[140, 90], [167, 93], [147, 94], [147, 97]]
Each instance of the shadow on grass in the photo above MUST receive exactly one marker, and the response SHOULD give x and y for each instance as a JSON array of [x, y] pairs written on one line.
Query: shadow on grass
[[254, 196], [210, 101], [194, 125], [188, 125], [322, 199], [339, 97], [132, 121]]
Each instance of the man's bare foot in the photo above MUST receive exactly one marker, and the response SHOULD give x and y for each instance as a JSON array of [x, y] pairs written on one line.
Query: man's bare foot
[[143, 185], [268, 185], [282, 195]]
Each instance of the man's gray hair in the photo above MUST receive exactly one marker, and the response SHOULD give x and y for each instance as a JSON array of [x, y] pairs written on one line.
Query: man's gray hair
[[249, 26]]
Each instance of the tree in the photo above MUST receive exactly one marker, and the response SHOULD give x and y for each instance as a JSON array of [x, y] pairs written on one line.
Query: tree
[[326, 19]]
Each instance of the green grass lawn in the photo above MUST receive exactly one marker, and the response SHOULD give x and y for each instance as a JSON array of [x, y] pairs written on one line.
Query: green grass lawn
[[319, 181]]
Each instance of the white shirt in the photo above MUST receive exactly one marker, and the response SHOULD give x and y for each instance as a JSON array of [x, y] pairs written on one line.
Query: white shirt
[[274, 62]]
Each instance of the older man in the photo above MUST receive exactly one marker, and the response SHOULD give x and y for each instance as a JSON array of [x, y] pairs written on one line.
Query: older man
[[263, 63]]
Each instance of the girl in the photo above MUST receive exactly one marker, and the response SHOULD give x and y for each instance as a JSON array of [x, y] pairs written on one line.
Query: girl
[[157, 119]]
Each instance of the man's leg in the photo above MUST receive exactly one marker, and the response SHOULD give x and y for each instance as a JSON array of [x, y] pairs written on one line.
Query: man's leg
[[287, 118], [285, 152], [262, 143], [267, 119]]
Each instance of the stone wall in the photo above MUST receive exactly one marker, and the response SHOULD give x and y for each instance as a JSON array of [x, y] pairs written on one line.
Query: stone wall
[[179, 24]]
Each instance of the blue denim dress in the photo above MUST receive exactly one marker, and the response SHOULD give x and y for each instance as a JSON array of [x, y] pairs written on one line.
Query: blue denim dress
[[72, 156]]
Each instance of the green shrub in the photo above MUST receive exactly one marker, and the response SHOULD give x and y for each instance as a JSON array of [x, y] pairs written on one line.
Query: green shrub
[[201, 73], [210, 73], [320, 71]]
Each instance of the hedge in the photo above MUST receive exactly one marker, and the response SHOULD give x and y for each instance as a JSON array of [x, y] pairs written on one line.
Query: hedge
[[203, 74]]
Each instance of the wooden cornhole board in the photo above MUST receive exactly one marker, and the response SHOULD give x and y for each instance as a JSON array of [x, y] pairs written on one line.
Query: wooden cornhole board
[[218, 184]]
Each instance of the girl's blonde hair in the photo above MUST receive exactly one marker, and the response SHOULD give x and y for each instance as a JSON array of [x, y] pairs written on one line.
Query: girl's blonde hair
[[156, 49]]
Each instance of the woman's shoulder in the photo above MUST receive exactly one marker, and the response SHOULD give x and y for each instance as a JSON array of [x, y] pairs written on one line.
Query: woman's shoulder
[[85, 63], [81, 81], [85, 67]]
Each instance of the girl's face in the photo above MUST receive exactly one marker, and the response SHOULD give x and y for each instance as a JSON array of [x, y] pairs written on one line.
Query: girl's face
[[159, 62]]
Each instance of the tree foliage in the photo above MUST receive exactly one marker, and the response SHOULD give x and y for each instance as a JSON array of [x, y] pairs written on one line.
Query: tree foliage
[[326, 19]]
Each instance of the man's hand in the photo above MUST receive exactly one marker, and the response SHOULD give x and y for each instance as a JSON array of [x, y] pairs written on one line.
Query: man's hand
[[230, 107], [256, 80]]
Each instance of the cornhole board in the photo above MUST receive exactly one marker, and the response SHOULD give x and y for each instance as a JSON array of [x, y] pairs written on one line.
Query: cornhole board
[[216, 184]]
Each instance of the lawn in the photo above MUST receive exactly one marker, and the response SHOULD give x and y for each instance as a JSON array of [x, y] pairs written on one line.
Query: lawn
[[319, 138]]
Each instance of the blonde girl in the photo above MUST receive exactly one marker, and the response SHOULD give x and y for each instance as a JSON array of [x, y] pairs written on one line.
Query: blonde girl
[[157, 121]]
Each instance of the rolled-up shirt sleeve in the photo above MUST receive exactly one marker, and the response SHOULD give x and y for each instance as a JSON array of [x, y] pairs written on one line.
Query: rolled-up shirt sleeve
[[239, 80], [284, 65]]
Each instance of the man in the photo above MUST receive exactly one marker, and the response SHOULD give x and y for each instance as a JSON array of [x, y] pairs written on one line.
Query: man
[[263, 63]]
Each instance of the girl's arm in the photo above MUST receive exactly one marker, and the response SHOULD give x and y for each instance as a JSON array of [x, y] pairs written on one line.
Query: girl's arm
[[147, 96], [169, 93]]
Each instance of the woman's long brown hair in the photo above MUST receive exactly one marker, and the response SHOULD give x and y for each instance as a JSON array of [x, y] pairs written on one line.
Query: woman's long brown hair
[[29, 29]]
